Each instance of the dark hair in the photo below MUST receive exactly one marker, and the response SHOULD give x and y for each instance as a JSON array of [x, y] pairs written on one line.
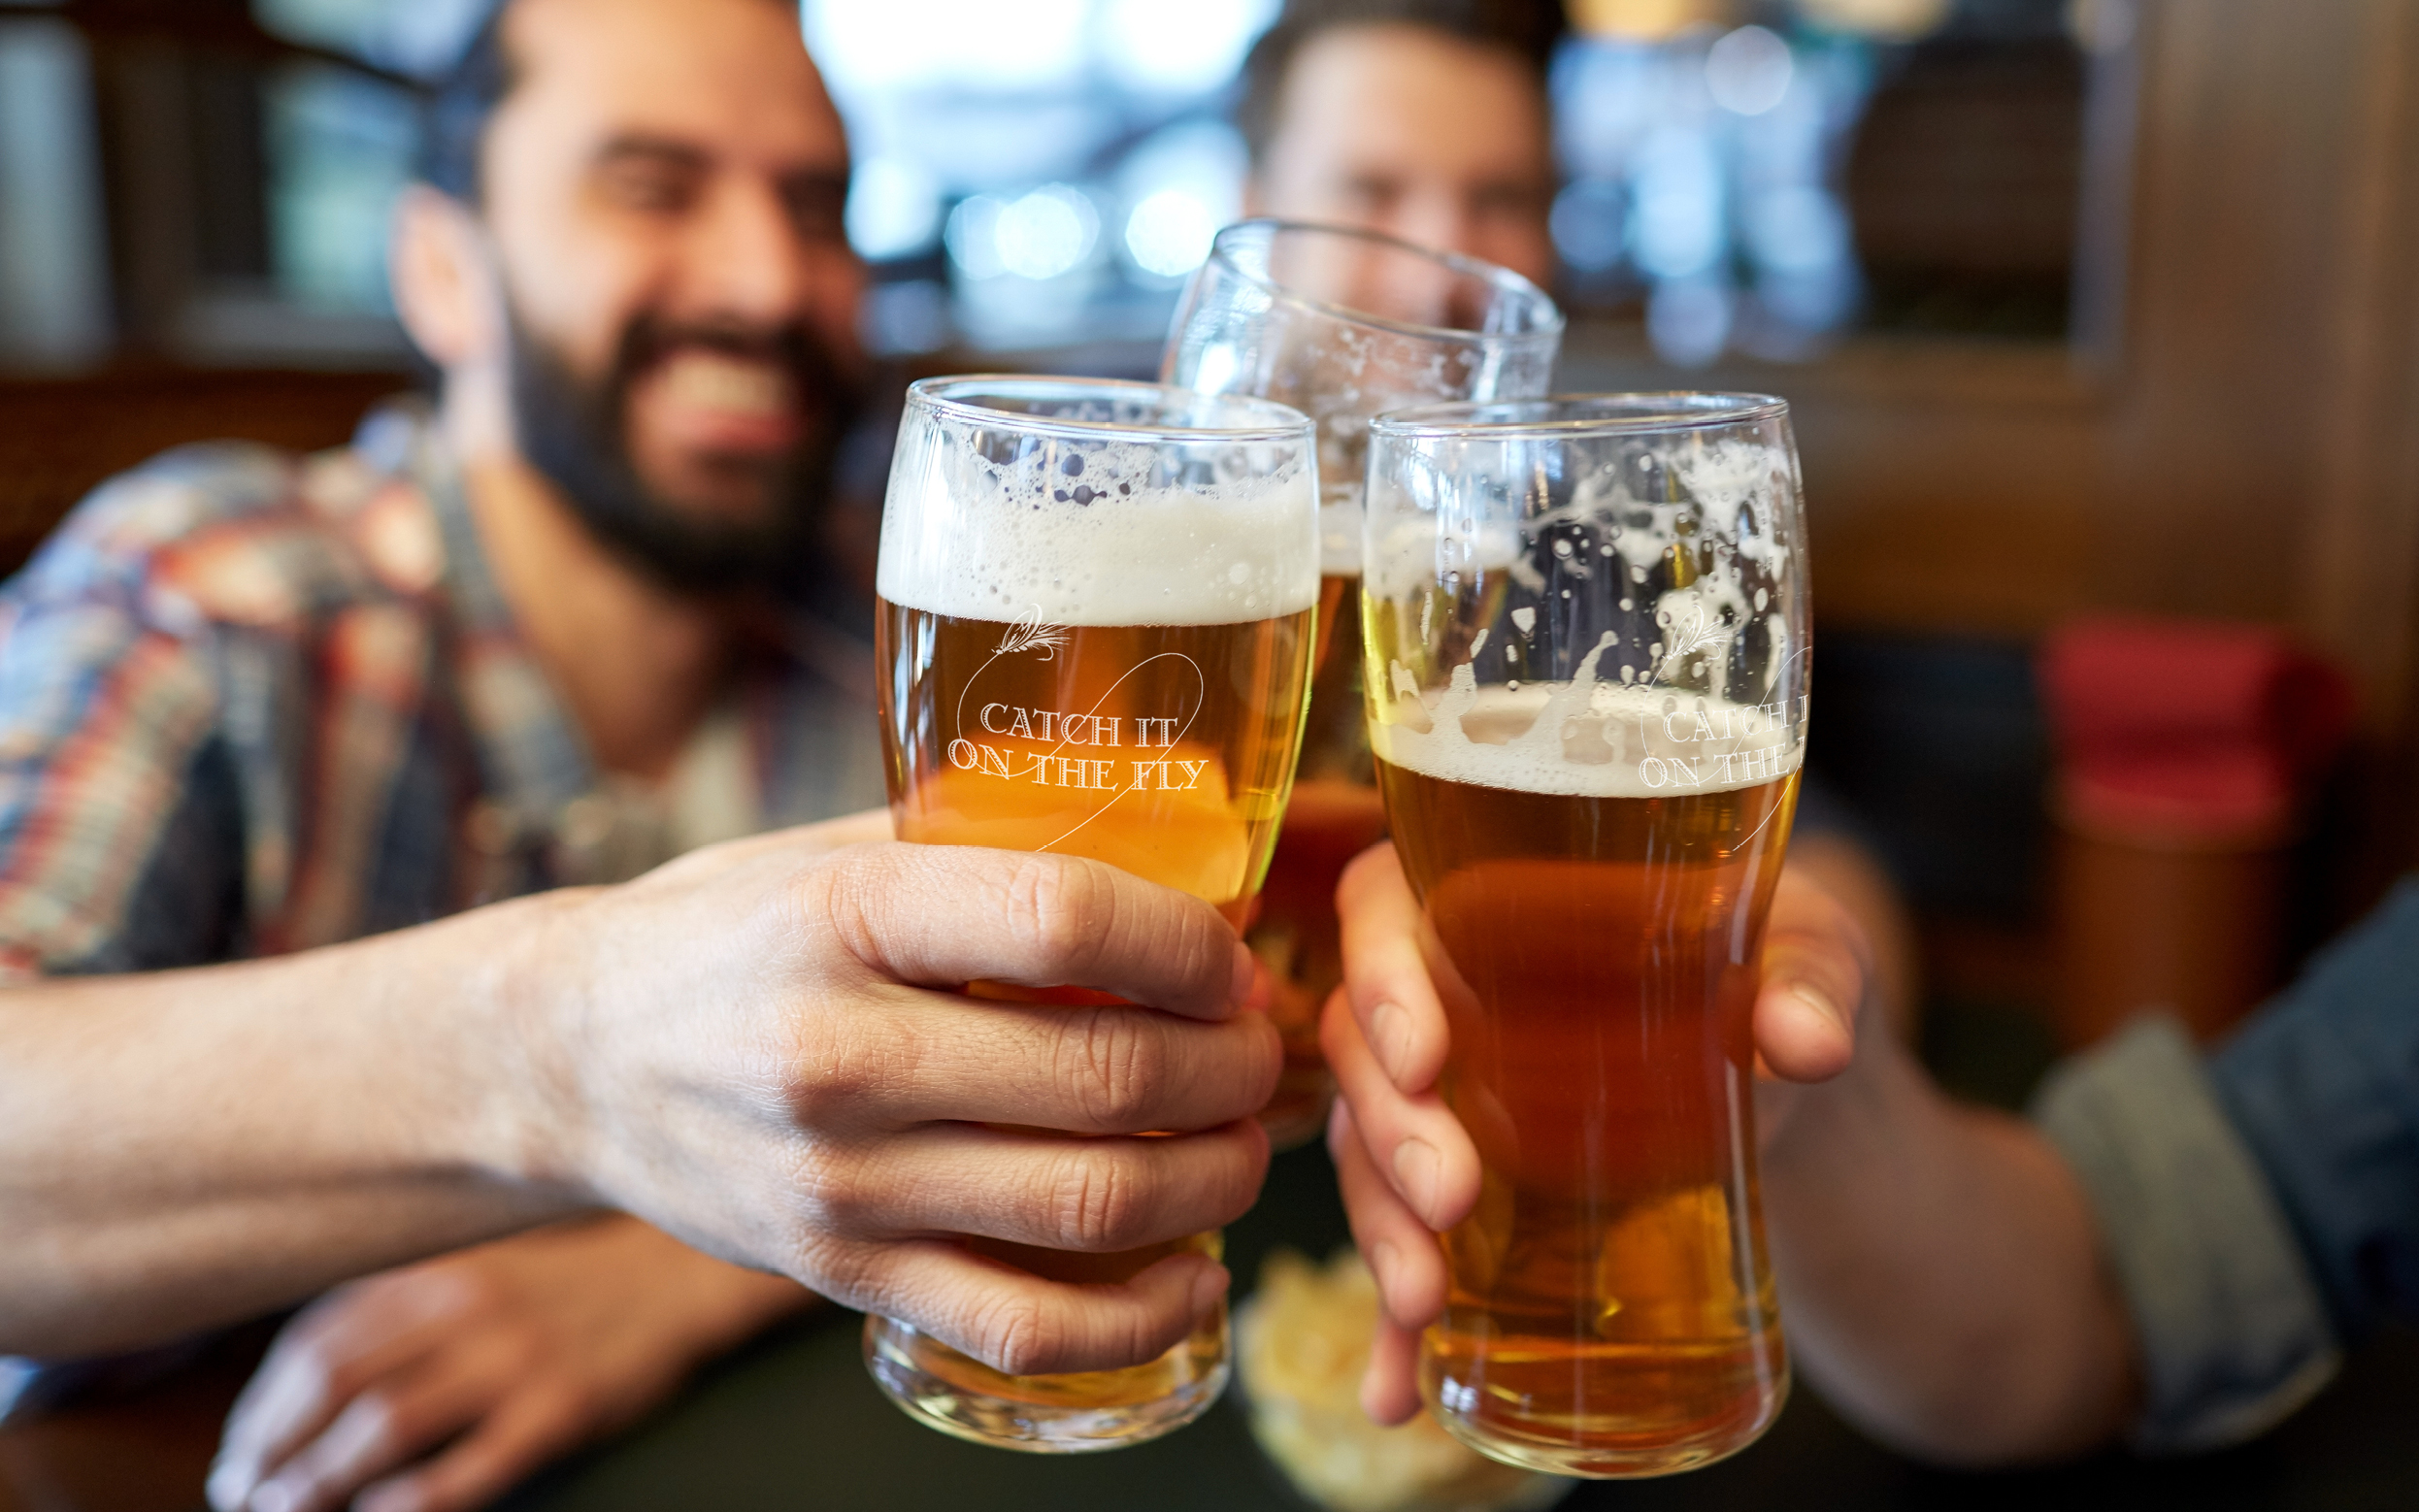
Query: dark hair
[[454, 122], [1527, 29]]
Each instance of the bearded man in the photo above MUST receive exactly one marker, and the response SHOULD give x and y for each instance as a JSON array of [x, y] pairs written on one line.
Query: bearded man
[[552, 631]]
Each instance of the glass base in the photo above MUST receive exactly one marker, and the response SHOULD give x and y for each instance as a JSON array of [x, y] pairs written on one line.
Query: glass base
[[1609, 1459], [1047, 1414]]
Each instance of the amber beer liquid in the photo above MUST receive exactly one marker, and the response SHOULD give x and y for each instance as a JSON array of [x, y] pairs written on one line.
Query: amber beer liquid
[[1095, 638], [1611, 1309], [1335, 815], [1162, 749], [1165, 750]]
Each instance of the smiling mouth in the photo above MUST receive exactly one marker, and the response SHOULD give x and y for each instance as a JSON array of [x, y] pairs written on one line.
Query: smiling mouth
[[705, 398], [740, 387]]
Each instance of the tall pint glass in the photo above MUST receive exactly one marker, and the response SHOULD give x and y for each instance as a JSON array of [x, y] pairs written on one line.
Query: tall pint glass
[[1587, 654], [1095, 624], [1342, 325]]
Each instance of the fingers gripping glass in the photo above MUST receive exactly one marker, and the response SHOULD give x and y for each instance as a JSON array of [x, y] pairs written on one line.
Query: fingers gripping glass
[[1342, 325], [1096, 618], [1588, 652]]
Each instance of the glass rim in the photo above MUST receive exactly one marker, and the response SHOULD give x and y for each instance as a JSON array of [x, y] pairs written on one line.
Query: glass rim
[[1575, 416], [955, 395], [1221, 253]]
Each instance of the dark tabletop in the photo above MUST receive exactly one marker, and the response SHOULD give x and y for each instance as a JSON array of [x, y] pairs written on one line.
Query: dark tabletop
[[792, 1423]]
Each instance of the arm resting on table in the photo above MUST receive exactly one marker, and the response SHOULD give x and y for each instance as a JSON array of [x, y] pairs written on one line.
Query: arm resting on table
[[194, 1146]]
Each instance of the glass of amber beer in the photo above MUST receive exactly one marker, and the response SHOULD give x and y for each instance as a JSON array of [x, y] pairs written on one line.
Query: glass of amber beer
[[1095, 625], [1343, 325], [1588, 652]]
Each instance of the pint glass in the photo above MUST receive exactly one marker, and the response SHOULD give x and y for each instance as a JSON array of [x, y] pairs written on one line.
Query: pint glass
[[1342, 325], [1095, 624], [1587, 656]]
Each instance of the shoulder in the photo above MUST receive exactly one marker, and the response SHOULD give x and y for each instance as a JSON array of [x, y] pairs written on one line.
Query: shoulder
[[233, 534]]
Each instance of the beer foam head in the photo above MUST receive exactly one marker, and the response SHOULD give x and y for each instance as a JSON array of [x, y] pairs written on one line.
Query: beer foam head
[[1584, 739], [1096, 535]]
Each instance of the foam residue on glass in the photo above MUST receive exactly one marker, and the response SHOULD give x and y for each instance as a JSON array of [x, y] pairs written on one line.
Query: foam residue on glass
[[1098, 533], [1686, 686]]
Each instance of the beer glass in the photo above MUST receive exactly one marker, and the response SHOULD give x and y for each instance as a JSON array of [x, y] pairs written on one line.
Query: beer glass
[[1096, 610], [1587, 655], [1342, 325]]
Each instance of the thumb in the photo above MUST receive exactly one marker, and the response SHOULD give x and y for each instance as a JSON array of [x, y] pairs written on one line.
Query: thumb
[[1817, 971]]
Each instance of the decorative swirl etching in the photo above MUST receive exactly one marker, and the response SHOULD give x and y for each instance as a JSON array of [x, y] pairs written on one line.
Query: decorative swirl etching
[[1029, 633], [1684, 643]]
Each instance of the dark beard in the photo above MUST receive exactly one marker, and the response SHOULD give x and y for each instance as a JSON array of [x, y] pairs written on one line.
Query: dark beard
[[573, 432]]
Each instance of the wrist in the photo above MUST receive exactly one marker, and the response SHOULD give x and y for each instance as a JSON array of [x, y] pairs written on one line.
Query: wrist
[[519, 988]]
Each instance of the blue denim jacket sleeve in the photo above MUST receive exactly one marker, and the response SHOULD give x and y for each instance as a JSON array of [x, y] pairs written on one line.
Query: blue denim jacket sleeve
[[2322, 1085], [2230, 1331], [2261, 1206]]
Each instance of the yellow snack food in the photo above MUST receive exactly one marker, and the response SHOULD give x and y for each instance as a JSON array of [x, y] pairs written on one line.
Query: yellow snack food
[[1304, 1340]]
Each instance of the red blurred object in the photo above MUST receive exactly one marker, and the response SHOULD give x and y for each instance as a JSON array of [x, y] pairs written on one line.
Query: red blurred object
[[2184, 752], [2190, 732]]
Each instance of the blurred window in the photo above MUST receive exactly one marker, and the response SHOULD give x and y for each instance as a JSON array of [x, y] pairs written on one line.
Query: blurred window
[[1750, 175], [1038, 173], [419, 38], [1887, 165], [53, 244], [339, 149]]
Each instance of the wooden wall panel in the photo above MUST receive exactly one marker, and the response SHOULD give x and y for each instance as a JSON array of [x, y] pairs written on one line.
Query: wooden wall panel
[[2240, 445], [2236, 431], [58, 437]]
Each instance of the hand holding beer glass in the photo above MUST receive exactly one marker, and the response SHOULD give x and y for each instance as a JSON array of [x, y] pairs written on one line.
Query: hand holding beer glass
[[1342, 325], [1587, 646], [1096, 616]]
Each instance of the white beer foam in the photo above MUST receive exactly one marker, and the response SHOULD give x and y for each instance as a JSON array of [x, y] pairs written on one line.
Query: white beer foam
[[1583, 739], [981, 547]]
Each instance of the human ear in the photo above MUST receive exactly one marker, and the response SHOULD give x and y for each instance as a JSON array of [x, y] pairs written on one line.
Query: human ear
[[443, 279]]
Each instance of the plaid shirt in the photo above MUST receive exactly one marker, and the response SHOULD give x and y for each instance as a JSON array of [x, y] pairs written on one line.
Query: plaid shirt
[[251, 704]]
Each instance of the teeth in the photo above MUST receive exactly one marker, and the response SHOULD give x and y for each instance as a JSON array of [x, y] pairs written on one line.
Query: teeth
[[710, 381]]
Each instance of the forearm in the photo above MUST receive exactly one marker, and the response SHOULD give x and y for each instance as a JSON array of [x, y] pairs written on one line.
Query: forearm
[[1941, 1270], [188, 1147]]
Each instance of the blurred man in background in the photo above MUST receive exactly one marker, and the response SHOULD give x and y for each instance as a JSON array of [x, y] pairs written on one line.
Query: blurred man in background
[[552, 632], [1427, 119], [1430, 120]]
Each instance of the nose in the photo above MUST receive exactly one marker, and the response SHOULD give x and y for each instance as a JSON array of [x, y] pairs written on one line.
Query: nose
[[1436, 220], [746, 261]]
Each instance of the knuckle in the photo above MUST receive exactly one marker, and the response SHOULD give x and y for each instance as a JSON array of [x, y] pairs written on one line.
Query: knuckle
[[380, 1422], [846, 880], [837, 898], [826, 1193], [322, 1373], [1013, 1334], [1064, 907], [833, 1071], [1098, 1201], [851, 1273], [1113, 1066]]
